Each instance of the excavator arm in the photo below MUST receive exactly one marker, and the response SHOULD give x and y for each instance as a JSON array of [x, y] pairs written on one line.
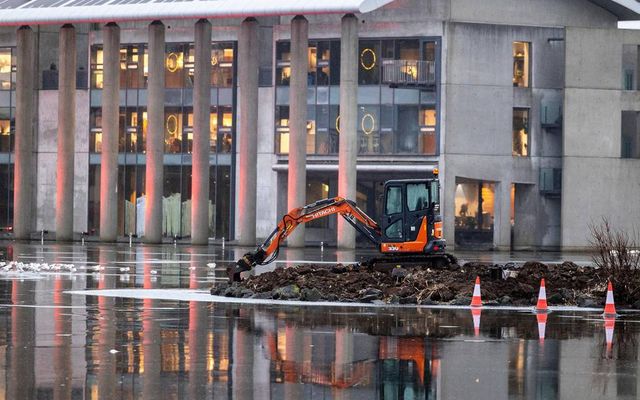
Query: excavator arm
[[268, 251]]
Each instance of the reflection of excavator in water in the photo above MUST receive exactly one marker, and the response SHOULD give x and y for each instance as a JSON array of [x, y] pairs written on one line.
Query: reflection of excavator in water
[[410, 231]]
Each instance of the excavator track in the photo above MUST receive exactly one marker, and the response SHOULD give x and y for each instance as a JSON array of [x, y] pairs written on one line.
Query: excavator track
[[386, 263]]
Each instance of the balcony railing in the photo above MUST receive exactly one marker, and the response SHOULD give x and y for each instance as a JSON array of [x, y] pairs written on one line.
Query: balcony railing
[[409, 72]]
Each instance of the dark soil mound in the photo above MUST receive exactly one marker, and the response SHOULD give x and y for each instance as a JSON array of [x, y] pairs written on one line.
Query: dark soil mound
[[566, 284]]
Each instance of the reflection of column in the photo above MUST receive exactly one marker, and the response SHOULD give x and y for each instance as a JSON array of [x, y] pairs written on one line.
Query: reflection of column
[[110, 121], [23, 181], [502, 216], [343, 360], [296, 194], [247, 138], [66, 132], [151, 340], [201, 132], [198, 336], [242, 372], [62, 343], [293, 365], [21, 369], [348, 151], [107, 330], [155, 135]]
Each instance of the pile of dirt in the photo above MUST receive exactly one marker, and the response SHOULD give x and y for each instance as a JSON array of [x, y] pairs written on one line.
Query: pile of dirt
[[566, 284]]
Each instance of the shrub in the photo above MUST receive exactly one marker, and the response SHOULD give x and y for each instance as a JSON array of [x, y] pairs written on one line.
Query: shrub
[[617, 258]]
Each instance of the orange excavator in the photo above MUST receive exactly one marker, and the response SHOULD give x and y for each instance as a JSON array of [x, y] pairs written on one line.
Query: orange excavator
[[410, 231]]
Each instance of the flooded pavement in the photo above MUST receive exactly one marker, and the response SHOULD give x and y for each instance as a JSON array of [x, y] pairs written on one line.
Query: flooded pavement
[[57, 345]]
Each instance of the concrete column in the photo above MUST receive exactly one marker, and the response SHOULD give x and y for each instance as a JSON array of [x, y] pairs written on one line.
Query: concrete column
[[66, 132], [155, 135], [502, 216], [297, 180], [23, 181], [110, 131], [348, 152], [201, 134], [248, 131]]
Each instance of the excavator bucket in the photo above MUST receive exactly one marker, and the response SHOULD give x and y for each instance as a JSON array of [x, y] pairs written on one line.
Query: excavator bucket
[[235, 270]]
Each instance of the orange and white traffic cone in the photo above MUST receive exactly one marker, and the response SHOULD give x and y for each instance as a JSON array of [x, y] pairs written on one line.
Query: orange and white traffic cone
[[542, 326], [476, 301], [610, 307], [475, 314], [609, 326], [541, 307]]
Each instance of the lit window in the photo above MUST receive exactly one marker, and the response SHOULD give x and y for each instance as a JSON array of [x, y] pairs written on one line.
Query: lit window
[[521, 64], [5, 69], [97, 67], [521, 132]]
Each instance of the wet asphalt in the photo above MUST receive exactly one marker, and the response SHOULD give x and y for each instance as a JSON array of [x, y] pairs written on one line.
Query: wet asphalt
[[58, 343]]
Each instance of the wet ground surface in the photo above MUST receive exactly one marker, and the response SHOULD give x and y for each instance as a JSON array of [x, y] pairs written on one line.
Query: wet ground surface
[[54, 344]]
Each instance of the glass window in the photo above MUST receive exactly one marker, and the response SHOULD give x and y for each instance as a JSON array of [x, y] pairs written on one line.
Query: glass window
[[369, 62], [213, 130], [434, 192], [334, 63], [630, 135], [132, 67], [521, 64], [173, 123], [368, 129], [222, 58], [317, 189], [6, 70], [176, 72], [427, 138], [408, 49], [394, 231], [283, 63], [394, 200], [474, 212], [521, 132], [7, 127], [97, 61], [282, 129], [417, 196], [407, 129], [95, 130], [323, 57], [225, 129]]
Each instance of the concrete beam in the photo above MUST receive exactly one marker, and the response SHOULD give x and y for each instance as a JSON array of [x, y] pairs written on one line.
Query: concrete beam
[[110, 132], [348, 152], [66, 133], [248, 131], [297, 178], [201, 134], [155, 135], [24, 177]]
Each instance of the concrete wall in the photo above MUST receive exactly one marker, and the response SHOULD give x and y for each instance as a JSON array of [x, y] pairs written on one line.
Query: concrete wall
[[477, 140], [47, 158], [596, 182]]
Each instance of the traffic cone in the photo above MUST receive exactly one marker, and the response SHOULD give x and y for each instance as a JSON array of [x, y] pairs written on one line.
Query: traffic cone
[[475, 314], [541, 307], [610, 307], [476, 301], [542, 325], [609, 326]]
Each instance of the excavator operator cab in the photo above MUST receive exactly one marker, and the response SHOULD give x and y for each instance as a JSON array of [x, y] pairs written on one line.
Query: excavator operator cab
[[406, 203]]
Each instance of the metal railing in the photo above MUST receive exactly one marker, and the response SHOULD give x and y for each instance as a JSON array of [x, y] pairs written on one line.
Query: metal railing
[[409, 72]]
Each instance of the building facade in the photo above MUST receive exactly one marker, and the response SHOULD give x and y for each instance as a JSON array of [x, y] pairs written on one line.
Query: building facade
[[500, 97]]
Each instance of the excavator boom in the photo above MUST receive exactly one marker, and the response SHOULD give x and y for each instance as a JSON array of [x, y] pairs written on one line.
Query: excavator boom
[[268, 250]]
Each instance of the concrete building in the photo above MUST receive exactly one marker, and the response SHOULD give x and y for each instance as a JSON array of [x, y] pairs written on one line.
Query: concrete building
[[530, 111]]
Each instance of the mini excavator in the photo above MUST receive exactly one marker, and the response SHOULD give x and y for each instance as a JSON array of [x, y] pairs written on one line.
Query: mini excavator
[[410, 232]]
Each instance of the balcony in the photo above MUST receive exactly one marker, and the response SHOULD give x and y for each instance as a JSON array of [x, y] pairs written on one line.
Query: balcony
[[408, 73]]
